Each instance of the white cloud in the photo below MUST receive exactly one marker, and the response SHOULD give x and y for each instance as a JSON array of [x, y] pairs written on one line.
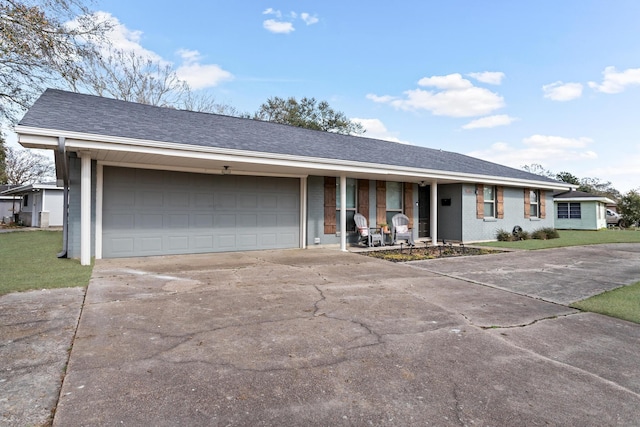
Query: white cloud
[[553, 152], [451, 82], [191, 70], [284, 24], [453, 97], [380, 99], [122, 38], [615, 82], [558, 142], [376, 129], [490, 122], [197, 75], [278, 27], [308, 19], [272, 11], [489, 77], [560, 91]]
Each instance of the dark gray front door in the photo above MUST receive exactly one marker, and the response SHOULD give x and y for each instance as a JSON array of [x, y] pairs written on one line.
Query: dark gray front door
[[151, 212]]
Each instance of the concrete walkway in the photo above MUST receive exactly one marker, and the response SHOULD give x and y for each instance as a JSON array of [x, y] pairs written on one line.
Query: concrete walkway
[[562, 275], [320, 337]]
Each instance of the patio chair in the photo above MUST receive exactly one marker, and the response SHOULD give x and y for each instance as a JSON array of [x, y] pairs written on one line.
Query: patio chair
[[369, 234], [400, 229]]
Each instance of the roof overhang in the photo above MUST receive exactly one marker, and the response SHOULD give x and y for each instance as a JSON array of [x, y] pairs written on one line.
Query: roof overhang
[[118, 151], [584, 199]]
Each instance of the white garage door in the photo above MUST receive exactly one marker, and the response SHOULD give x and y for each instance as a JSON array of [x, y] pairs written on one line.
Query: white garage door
[[150, 212]]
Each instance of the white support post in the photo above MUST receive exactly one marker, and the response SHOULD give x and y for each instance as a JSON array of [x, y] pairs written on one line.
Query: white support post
[[99, 187], [303, 212], [434, 212], [85, 209], [343, 213]]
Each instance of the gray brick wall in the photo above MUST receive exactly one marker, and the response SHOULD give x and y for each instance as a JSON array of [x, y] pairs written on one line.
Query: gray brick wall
[[474, 229]]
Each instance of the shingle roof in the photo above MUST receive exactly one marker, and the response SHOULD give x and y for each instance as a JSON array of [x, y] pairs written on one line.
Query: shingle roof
[[73, 112], [576, 195]]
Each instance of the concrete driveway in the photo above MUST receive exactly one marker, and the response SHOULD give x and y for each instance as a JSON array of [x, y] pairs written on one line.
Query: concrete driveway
[[320, 337]]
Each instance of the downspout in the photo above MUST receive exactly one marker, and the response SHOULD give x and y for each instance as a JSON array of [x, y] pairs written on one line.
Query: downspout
[[62, 174]]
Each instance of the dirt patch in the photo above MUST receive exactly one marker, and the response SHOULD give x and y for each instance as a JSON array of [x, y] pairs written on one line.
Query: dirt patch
[[429, 252]]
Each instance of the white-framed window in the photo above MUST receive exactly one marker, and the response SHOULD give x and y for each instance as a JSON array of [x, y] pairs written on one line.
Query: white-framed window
[[26, 200], [489, 201], [394, 199], [351, 202], [569, 210], [534, 203]]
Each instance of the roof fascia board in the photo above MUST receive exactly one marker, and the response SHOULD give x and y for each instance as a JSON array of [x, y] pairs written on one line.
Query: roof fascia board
[[583, 199], [84, 141]]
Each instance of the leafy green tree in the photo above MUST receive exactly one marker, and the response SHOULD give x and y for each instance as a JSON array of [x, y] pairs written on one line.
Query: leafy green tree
[[598, 187], [307, 113], [42, 40], [629, 207], [568, 177]]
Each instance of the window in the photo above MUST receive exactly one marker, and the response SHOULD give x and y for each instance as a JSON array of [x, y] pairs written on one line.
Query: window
[[26, 200], [489, 201], [394, 199], [534, 204], [569, 210], [351, 202]]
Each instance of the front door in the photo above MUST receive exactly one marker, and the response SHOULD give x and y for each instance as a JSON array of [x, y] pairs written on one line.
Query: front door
[[424, 200]]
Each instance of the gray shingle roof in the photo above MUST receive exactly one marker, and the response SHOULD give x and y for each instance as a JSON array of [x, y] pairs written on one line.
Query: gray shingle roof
[[73, 112]]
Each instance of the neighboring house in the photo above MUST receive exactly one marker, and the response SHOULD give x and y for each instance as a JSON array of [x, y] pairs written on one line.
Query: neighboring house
[[147, 180], [577, 210], [39, 205], [8, 204]]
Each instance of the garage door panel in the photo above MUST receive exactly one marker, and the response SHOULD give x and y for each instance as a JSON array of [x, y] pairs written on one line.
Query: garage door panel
[[149, 212]]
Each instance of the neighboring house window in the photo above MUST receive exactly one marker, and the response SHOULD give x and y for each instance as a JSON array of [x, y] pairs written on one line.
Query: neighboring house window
[[489, 207], [567, 210], [26, 200], [393, 199], [351, 202], [533, 204]]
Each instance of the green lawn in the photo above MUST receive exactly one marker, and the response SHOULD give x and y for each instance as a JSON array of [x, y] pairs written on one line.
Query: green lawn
[[623, 303], [28, 261], [573, 238]]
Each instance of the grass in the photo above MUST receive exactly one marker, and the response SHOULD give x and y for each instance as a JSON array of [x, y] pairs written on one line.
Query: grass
[[572, 238], [622, 303], [28, 261]]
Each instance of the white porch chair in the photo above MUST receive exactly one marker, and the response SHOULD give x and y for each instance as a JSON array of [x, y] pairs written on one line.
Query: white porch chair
[[369, 234]]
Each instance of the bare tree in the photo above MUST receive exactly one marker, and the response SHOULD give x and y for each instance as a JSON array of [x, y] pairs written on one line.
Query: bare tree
[[26, 167], [131, 76], [38, 45]]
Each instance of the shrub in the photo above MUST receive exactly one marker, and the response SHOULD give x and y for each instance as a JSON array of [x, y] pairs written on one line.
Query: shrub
[[545, 233], [525, 235], [503, 235]]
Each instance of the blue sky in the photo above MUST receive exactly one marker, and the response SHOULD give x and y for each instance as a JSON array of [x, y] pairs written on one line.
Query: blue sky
[[515, 82]]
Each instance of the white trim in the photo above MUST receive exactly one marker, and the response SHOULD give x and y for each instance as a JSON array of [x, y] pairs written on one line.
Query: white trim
[[343, 213], [434, 212], [85, 209], [584, 199], [303, 212], [99, 200], [76, 141]]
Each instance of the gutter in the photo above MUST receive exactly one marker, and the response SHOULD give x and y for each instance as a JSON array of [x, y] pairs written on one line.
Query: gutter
[[62, 174]]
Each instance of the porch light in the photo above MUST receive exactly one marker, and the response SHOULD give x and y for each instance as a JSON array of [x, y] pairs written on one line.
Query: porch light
[[225, 170]]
